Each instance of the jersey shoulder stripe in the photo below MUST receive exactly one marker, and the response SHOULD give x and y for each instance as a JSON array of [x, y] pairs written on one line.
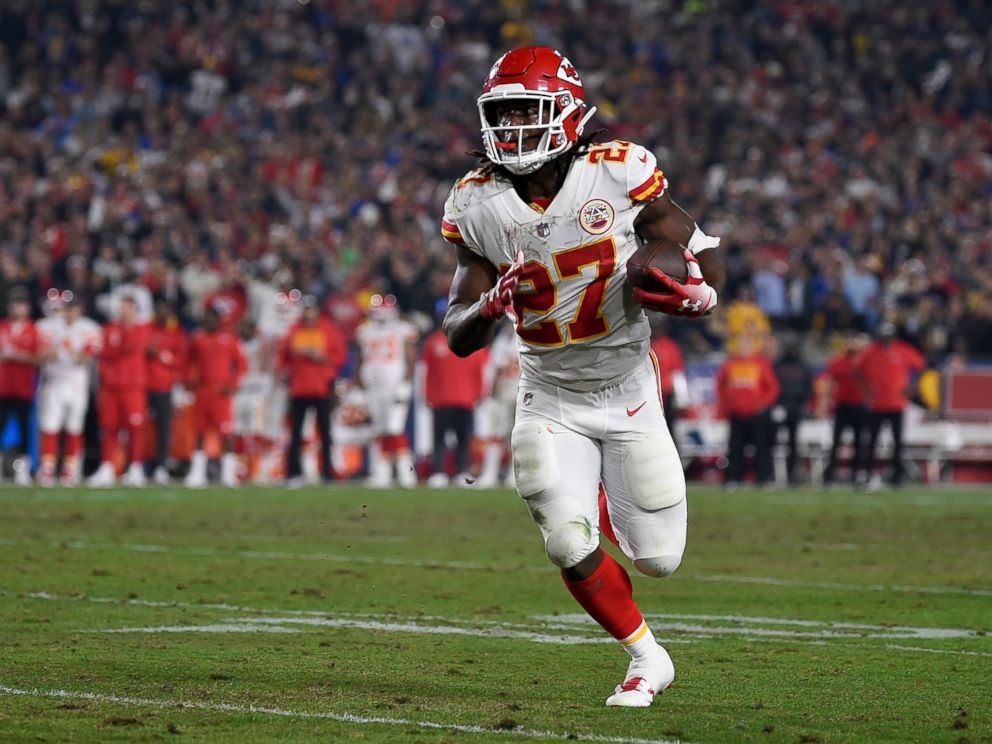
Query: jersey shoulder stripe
[[651, 189]]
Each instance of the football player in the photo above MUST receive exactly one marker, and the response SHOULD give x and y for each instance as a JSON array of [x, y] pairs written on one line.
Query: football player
[[216, 365], [385, 371], [69, 342], [19, 345], [543, 230], [122, 399]]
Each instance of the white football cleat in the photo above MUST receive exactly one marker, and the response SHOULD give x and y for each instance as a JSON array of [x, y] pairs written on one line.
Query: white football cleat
[[134, 476], [645, 679], [46, 475], [22, 472], [438, 480], [104, 477]]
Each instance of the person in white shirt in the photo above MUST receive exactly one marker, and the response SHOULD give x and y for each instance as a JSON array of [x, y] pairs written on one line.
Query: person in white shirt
[[69, 341]]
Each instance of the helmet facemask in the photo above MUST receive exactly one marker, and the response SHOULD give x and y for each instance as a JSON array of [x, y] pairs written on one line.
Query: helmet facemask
[[558, 118]]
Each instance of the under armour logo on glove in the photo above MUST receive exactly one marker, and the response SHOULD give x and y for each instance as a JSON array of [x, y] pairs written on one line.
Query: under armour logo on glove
[[693, 299]]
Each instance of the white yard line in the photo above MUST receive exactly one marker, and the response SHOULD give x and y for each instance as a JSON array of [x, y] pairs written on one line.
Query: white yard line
[[469, 566], [838, 586], [267, 624], [919, 649], [350, 718], [745, 627]]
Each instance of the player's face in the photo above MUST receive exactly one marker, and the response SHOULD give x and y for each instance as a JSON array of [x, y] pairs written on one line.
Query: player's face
[[18, 310], [128, 311], [519, 113]]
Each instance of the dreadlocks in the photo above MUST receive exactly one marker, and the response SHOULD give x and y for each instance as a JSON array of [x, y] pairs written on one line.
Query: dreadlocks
[[581, 148]]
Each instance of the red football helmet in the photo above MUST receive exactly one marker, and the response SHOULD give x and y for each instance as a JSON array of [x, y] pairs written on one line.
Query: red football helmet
[[529, 76]]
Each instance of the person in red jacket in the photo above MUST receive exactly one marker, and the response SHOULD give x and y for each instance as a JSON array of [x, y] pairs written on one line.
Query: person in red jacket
[[122, 397], [671, 364], [746, 389], [849, 403], [19, 350], [168, 347], [453, 387], [311, 355], [886, 369], [215, 364]]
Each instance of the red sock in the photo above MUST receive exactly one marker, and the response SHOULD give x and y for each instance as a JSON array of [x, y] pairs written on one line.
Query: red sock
[[608, 598], [73, 445], [49, 446], [605, 525], [108, 445], [136, 435]]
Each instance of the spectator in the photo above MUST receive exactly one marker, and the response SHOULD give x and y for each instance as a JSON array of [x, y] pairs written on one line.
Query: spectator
[[122, 398], [312, 354], [746, 388], [168, 346], [848, 399], [216, 363], [19, 347], [886, 369], [453, 388], [796, 382]]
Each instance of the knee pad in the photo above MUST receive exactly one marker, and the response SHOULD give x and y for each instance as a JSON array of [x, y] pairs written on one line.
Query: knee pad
[[567, 544], [658, 566], [535, 463], [653, 471], [657, 541]]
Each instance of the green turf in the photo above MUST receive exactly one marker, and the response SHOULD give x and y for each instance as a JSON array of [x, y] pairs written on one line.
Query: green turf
[[426, 607]]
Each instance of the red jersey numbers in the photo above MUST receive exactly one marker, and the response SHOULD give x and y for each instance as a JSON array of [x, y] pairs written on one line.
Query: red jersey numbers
[[537, 294], [615, 152]]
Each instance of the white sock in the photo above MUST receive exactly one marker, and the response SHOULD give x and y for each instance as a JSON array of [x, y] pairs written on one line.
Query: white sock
[[641, 643], [492, 458], [198, 465]]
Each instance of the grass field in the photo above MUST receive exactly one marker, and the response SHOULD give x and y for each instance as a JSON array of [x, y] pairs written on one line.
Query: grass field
[[427, 616]]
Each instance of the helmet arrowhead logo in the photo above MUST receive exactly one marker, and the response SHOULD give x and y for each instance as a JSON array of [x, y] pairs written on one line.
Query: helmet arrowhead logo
[[568, 73]]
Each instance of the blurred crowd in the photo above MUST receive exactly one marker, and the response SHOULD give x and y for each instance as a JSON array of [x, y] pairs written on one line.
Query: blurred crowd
[[217, 153]]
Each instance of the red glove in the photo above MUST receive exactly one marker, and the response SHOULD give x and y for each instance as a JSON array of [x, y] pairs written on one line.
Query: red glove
[[498, 301], [693, 299]]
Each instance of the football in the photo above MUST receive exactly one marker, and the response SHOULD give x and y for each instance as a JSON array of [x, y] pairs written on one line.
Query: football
[[664, 255]]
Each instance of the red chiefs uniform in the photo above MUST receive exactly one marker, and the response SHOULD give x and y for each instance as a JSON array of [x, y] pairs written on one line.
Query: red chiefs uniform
[[886, 370], [168, 347], [121, 400], [847, 388], [17, 377], [670, 361], [216, 364], [452, 381]]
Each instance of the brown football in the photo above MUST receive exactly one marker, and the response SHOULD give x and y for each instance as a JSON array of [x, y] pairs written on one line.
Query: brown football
[[665, 255]]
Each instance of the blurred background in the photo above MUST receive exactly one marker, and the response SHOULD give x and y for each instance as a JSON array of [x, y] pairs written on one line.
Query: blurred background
[[240, 157]]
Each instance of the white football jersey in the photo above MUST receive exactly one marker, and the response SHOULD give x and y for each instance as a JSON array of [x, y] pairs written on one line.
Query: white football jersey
[[84, 336], [258, 375], [383, 349], [579, 326]]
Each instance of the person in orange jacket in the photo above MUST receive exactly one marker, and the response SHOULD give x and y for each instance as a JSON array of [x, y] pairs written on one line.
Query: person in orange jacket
[[746, 389], [312, 354]]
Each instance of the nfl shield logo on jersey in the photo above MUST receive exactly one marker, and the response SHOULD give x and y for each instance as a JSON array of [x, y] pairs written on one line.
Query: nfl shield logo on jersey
[[528, 398], [543, 230]]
